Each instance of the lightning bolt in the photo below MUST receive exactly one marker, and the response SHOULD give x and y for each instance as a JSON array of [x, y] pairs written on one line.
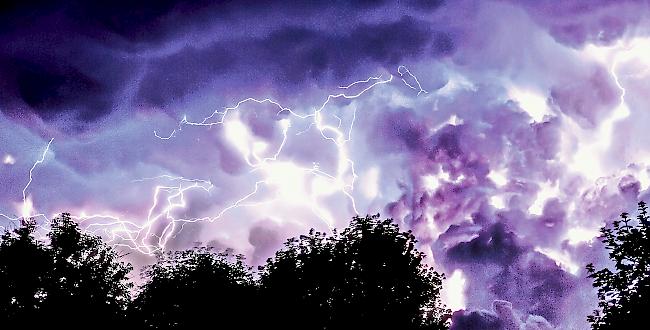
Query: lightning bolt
[[406, 74], [161, 222], [27, 210], [27, 207], [593, 147]]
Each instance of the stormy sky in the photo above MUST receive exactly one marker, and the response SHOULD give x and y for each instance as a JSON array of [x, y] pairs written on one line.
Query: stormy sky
[[502, 133]]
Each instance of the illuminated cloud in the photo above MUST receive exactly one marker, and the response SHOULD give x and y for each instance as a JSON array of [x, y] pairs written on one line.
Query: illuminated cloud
[[9, 159], [502, 133]]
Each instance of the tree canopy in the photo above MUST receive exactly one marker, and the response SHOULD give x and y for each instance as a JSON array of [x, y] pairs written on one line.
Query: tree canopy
[[75, 276], [189, 289], [624, 292], [368, 276], [25, 277]]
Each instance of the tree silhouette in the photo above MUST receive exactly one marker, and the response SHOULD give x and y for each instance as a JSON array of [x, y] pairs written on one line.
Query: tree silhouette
[[624, 292], [25, 267], [189, 289], [88, 279], [368, 276], [76, 280]]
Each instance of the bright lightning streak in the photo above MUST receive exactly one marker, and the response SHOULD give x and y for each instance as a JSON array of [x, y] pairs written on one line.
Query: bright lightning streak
[[27, 207], [346, 165], [402, 70], [361, 82], [585, 159], [162, 224]]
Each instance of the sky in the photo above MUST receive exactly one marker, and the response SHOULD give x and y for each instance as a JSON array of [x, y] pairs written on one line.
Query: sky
[[504, 134]]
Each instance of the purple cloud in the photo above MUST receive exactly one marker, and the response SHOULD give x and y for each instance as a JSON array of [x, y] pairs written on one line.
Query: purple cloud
[[520, 132]]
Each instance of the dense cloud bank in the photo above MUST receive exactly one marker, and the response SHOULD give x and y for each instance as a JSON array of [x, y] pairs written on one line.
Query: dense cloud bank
[[519, 133]]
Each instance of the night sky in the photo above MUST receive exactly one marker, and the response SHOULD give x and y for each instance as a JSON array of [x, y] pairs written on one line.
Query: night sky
[[504, 134]]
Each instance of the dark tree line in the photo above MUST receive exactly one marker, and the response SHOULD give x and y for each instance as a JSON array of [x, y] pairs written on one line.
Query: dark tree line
[[368, 276], [74, 278]]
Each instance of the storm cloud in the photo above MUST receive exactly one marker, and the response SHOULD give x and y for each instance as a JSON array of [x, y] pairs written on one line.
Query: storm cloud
[[502, 133]]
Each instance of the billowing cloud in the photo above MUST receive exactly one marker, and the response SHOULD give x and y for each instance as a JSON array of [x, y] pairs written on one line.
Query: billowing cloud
[[502, 133]]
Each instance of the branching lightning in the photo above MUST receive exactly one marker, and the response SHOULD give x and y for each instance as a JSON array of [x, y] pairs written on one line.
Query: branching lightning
[[402, 70], [162, 222], [27, 207], [601, 139]]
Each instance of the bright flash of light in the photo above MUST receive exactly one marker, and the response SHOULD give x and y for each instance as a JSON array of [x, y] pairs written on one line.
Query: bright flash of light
[[456, 82], [644, 178], [546, 191], [9, 160], [288, 181], [561, 258], [369, 183], [594, 144], [499, 177], [454, 290], [531, 102], [431, 183], [579, 235], [26, 207], [498, 201]]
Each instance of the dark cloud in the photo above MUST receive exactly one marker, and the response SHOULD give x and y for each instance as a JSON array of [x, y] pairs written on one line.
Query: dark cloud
[[426, 4], [535, 283], [391, 42], [400, 130], [503, 317], [38, 85], [171, 78], [447, 142], [443, 44], [321, 44], [133, 20], [137, 21], [50, 90], [494, 244], [287, 57], [475, 320], [527, 278], [77, 55], [141, 63]]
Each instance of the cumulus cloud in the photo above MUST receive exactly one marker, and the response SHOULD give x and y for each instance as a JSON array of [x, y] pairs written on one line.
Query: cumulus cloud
[[504, 157]]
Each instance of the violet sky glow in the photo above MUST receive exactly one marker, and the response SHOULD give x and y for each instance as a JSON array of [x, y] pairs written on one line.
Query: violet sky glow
[[503, 133]]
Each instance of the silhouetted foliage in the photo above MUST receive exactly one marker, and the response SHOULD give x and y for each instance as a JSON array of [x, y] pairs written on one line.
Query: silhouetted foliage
[[370, 276], [88, 279], [25, 268], [76, 276], [624, 293], [195, 288]]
